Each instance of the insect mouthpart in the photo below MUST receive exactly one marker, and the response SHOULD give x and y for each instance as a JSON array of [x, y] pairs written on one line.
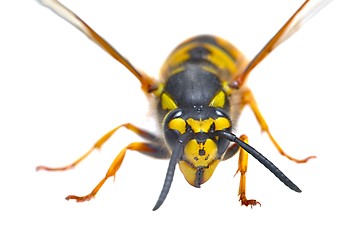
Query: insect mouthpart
[[202, 151]]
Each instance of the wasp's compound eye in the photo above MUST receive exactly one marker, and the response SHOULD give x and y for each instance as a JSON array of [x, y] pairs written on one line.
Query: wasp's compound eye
[[174, 126]]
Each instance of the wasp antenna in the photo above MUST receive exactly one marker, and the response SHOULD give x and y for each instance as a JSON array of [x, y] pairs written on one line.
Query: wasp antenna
[[176, 155], [262, 159]]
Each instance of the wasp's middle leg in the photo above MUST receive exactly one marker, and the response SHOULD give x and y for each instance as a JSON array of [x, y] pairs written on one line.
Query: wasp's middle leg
[[248, 98]]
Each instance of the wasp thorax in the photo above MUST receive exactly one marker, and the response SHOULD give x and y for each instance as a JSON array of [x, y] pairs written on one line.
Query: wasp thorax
[[203, 151]]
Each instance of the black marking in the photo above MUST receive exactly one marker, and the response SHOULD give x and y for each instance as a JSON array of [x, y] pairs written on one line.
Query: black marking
[[199, 177], [212, 128], [193, 87], [198, 108], [199, 52], [201, 152], [259, 157], [209, 39]]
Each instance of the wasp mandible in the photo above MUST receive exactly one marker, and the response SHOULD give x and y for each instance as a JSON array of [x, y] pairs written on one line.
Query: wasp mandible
[[198, 97]]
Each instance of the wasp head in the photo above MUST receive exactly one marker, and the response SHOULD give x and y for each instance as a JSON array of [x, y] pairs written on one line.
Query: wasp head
[[203, 150]]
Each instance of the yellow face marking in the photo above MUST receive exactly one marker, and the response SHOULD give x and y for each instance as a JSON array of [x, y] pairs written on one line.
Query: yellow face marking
[[178, 124], [204, 125], [219, 100], [189, 172], [221, 123], [208, 172], [167, 102], [199, 155], [200, 125]]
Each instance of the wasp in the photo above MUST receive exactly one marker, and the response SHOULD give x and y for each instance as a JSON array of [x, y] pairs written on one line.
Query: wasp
[[198, 99]]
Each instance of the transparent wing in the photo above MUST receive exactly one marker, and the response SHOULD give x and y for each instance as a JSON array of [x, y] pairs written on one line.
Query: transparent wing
[[72, 18], [307, 10]]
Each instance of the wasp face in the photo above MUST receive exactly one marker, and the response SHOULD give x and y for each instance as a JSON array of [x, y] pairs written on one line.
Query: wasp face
[[203, 150]]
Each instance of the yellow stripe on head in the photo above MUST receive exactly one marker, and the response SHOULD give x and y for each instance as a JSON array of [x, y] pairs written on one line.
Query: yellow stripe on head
[[200, 125], [222, 123], [178, 124]]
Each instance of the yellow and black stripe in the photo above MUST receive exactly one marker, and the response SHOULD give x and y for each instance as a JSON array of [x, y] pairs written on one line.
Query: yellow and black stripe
[[195, 83], [198, 98], [197, 73]]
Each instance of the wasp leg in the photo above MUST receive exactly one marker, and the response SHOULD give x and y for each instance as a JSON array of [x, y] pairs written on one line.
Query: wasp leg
[[249, 99], [145, 148], [99, 143], [242, 169]]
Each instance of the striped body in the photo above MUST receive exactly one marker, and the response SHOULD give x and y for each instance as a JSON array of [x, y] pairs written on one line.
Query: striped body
[[195, 80], [198, 99], [199, 67]]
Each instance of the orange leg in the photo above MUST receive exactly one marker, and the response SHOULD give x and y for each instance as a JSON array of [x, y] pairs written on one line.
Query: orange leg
[[248, 98], [242, 169], [98, 145], [136, 146]]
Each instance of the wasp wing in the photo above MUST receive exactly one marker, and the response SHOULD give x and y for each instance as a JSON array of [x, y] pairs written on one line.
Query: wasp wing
[[307, 10], [65, 13]]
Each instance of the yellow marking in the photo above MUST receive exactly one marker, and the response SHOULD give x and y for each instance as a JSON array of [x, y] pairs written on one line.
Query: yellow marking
[[210, 69], [176, 70], [177, 124], [240, 60], [208, 172], [167, 102], [226, 87], [229, 47], [188, 172], [200, 125], [217, 57], [229, 62], [199, 155], [219, 100], [221, 123], [220, 59], [204, 125], [177, 57], [159, 90]]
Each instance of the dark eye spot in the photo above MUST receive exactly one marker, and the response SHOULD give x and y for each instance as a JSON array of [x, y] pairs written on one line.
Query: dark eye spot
[[201, 152]]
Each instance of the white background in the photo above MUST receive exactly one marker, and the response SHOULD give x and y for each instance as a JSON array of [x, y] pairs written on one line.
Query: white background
[[59, 93]]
